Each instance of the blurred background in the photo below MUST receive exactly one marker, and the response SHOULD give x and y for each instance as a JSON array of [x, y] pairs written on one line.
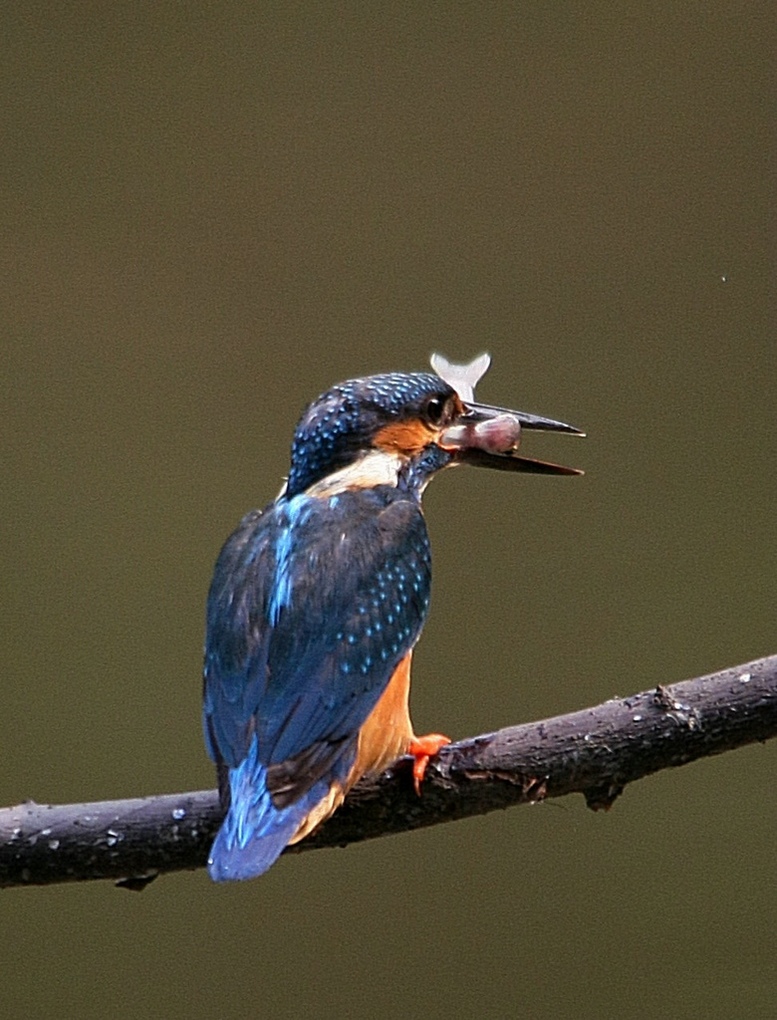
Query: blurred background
[[209, 214]]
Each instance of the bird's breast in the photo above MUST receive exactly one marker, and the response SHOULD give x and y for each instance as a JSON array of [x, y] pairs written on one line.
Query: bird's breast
[[384, 736], [387, 731]]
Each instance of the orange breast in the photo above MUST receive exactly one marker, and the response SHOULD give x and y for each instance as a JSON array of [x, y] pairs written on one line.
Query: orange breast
[[387, 733], [384, 737]]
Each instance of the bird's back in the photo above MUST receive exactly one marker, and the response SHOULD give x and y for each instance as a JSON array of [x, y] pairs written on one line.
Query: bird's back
[[314, 604]]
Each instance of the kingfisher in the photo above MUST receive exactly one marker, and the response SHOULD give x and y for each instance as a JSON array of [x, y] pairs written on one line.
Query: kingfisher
[[318, 600]]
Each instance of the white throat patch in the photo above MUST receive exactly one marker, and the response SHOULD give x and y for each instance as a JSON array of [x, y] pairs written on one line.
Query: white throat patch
[[373, 467]]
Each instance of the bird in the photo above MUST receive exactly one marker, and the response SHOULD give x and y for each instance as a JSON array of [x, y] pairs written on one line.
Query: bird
[[317, 602]]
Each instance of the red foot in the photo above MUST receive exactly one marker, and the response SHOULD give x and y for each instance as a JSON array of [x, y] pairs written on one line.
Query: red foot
[[422, 749]]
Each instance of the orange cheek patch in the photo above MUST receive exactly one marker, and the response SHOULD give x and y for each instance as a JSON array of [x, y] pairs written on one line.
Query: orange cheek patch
[[408, 437]]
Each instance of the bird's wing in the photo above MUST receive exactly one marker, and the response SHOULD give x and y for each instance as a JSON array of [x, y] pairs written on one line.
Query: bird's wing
[[312, 606]]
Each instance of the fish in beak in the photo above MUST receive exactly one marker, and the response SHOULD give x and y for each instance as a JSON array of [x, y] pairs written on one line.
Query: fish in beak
[[487, 436]]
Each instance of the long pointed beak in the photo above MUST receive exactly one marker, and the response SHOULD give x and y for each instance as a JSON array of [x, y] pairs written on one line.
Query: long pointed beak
[[487, 436]]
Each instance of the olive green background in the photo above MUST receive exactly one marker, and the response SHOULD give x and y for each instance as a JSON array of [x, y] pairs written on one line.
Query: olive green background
[[209, 214]]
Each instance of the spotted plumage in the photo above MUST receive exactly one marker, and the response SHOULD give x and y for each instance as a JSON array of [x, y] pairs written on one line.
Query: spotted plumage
[[315, 606], [340, 426]]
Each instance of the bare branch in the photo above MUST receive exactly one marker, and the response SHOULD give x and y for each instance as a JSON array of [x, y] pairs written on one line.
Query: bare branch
[[595, 752]]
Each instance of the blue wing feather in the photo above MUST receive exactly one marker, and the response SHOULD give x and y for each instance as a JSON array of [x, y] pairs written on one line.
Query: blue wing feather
[[313, 604], [254, 832]]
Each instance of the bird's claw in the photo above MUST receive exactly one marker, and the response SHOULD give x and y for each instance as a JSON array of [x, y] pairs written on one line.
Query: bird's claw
[[422, 749]]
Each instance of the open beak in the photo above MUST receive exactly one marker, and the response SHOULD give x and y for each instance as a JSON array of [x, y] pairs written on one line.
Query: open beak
[[488, 436]]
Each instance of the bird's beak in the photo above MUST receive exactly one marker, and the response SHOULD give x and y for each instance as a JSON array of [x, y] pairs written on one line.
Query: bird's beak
[[488, 436]]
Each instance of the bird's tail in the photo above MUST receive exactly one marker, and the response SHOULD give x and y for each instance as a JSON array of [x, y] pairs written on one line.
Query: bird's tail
[[254, 831]]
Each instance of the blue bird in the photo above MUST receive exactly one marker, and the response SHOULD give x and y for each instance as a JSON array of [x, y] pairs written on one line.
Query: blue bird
[[317, 602]]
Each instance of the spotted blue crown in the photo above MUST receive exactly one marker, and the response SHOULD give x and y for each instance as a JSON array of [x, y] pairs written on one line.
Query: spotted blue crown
[[339, 425]]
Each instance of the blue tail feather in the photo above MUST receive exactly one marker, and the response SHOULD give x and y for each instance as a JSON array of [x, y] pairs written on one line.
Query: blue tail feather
[[254, 833]]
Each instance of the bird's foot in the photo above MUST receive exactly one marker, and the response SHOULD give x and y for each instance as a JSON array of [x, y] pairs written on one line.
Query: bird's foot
[[422, 749]]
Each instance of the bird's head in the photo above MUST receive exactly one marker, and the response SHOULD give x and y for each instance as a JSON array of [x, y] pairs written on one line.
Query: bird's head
[[383, 428]]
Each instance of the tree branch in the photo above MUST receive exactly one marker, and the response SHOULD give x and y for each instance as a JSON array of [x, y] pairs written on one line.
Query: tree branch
[[595, 752]]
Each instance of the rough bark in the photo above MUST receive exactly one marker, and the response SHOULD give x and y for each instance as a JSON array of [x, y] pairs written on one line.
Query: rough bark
[[595, 752]]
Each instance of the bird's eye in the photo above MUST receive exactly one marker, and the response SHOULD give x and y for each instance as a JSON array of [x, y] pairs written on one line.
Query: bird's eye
[[435, 410]]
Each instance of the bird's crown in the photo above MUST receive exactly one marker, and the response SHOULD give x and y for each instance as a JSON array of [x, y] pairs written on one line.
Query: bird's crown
[[397, 411]]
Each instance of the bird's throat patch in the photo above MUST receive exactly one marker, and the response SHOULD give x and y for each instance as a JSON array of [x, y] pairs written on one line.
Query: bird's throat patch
[[376, 467]]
